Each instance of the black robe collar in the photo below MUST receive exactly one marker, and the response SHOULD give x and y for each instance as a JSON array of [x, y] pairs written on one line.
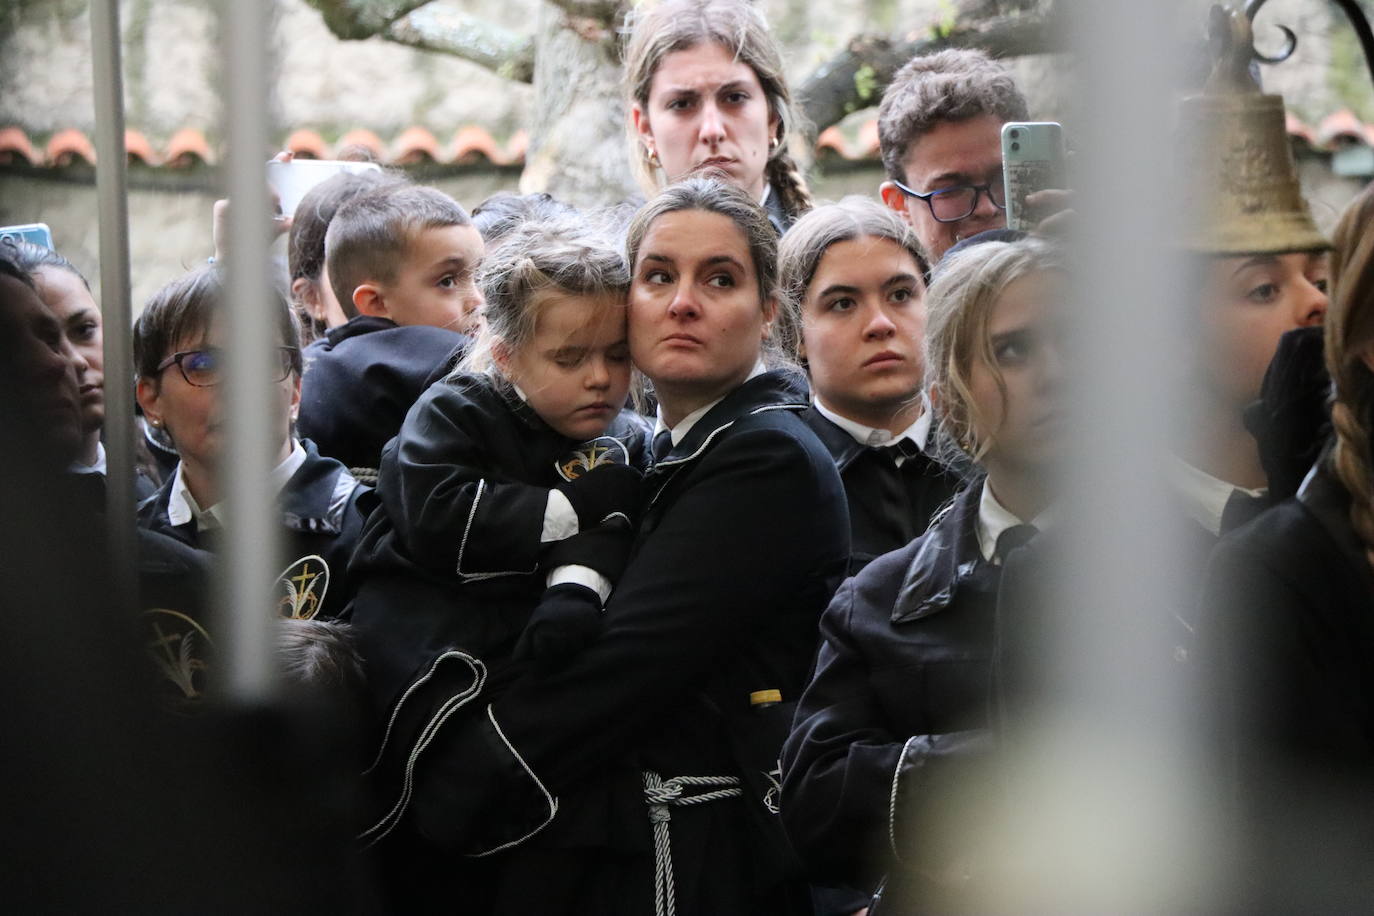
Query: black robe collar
[[777, 389], [312, 500], [947, 556]]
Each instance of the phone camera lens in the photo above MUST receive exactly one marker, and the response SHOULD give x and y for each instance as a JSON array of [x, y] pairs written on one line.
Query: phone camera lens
[[1015, 147], [1015, 134]]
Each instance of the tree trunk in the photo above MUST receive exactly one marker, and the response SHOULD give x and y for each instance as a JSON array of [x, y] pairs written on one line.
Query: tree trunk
[[578, 150]]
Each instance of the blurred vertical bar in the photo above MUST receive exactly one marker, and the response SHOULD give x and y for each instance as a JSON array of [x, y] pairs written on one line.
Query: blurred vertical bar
[[251, 553], [112, 196], [1116, 824]]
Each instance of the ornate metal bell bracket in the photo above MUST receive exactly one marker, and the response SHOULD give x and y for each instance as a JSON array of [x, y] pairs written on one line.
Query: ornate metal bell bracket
[[1353, 12]]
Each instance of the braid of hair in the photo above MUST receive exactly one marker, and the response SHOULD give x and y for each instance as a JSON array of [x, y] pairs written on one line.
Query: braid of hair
[[1352, 465], [1349, 333], [788, 183]]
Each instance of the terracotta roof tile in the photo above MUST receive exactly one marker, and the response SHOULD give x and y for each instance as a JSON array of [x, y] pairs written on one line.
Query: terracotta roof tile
[[416, 145], [472, 145], [307, 144], [139, 149], [66, 146], [1341, 125], [833, 139], [186, 146], [868, 141], [1297, 128], [471, 142], [364, 138], [14, 142], [516, 147]]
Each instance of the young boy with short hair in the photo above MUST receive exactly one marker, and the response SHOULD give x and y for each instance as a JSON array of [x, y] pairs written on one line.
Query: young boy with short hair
[[405, 257]]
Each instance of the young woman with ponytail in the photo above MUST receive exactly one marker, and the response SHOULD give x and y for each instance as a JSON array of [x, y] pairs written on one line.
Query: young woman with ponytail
[[1288, 631], [707, 92]]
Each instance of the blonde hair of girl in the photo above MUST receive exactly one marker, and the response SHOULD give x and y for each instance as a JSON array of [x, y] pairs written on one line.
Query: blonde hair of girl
[[959, 304], [559, 256]]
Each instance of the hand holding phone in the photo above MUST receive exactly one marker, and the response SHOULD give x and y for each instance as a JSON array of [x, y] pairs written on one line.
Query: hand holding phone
[[1032, 161]]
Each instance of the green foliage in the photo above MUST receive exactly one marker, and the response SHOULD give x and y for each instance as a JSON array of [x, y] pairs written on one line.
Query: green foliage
[[1348, 74], [865, 82], [948, 18], [865, 89]]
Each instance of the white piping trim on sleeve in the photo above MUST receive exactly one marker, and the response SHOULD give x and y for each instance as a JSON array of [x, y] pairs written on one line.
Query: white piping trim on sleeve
[[892, 801], [427, 734], [548, 796], [479, 672], [463, 545]]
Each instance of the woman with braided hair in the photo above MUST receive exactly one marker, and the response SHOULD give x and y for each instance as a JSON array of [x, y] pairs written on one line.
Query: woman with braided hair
[[707, 93], [1288, 628]]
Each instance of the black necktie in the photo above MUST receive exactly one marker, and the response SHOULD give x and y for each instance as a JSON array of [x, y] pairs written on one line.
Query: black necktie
[[663, 444], [1241, 508], [903, 447], [1014, 537]]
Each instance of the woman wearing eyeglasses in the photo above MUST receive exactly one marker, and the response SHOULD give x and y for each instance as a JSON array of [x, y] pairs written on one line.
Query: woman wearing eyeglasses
[[178, 360]]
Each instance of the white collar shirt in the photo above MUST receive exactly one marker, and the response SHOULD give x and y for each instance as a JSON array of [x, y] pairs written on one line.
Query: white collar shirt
[[684, 426], [80, 467], [182, 506], [1204, 496], [995, 518], [918, 433]]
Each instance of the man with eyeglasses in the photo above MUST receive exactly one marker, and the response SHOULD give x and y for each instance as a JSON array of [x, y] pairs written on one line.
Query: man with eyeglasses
[[939, 128]]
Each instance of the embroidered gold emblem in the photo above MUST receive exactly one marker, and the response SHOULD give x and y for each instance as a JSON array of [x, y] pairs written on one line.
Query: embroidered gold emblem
[[303, 586], [176, 644], [593, 454]]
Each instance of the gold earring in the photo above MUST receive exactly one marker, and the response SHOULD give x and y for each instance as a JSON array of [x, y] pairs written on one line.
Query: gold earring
[[653, 157], [154, 423], [773, 144]]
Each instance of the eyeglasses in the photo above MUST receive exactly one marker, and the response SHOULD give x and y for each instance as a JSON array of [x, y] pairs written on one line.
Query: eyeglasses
[[201, 368], [949, 205]]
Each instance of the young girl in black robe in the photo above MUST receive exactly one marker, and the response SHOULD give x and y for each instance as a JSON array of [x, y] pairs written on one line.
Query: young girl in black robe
[[507, 501]]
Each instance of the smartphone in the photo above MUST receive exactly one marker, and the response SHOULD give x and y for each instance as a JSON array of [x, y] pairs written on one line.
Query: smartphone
[[1032, 160], [291, 180], [37, 233]]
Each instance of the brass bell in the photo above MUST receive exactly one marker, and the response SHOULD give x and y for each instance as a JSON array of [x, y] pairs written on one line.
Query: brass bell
[[1234, 151]]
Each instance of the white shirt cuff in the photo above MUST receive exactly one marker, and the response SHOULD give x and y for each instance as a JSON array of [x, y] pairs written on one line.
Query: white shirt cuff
[[560, 520], [581, 575]]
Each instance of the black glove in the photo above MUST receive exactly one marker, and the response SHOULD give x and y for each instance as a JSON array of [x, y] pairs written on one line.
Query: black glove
[[1291, 422], [605, 548], [602, 492], [567, 619]]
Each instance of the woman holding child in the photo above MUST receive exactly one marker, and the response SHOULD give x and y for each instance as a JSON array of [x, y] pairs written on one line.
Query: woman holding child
[[639, 771]]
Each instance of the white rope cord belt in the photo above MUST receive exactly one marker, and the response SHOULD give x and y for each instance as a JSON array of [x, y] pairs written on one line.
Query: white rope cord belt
[[663, 793]]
